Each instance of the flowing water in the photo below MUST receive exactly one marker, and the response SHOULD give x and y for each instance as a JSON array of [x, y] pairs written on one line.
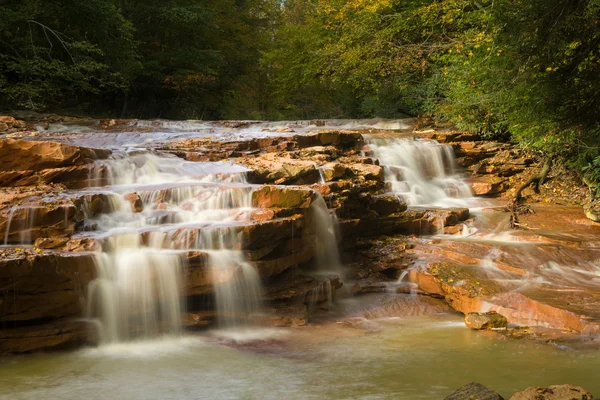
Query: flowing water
[[421, 171], [412, 358], [183, 206]]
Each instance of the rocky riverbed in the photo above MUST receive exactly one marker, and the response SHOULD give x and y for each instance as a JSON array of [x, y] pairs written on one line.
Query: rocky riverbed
[[416, 212]]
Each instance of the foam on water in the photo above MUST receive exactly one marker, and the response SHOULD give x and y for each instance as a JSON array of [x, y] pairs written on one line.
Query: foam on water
[[185, 206], [421, 171]]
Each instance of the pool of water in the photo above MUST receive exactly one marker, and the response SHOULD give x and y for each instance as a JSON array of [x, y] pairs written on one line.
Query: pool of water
[[397, 358]]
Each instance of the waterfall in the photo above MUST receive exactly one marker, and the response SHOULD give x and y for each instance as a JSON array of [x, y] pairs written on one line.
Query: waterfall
[[25, 219], [137, 291], [186, 206], [421, 171], [325, 226], [238, 289]]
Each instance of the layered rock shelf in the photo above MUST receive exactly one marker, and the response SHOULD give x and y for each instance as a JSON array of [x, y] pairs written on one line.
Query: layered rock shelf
[[61, 203]]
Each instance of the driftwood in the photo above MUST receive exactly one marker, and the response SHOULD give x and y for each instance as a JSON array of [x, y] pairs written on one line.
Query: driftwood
[[517, 209], [535, 180]]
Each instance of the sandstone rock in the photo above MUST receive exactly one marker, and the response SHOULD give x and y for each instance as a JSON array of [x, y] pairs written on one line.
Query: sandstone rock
[[281, 170], [56, 335], [333, 171], [328, 138], [554, 392], [474, 391], [3, 127], [20, 155], [387, 204], [136, 202], [368, 171], [488, 186], [278, 197], [28, 222], [485, 321], [44, 287]]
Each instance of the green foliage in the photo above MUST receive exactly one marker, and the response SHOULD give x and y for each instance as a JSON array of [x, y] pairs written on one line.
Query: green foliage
[[176, 58], [522, 69]]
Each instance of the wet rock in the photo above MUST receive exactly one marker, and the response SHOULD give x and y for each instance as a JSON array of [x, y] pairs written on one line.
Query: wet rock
[[387, 204], [485, 321], [43, 287], [474, 391], [136, 202], [37, 218], [56, 335], [554, 392], [278, 197], [409, 222]]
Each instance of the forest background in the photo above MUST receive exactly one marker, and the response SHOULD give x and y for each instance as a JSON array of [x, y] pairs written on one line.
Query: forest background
[[525, 70]]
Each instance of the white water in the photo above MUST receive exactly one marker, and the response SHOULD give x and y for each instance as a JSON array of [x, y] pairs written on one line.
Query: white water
[[186, 206], [22, 218], [421, 171], [325, 226]]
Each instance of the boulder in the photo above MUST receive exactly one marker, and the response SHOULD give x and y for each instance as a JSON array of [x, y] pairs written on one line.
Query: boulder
[[474, 391], [136, 202], [485, 321], [554, 392]]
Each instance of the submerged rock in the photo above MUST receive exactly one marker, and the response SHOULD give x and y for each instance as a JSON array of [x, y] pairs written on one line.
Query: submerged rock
[[554, 392], [474, 391], [482, 321]]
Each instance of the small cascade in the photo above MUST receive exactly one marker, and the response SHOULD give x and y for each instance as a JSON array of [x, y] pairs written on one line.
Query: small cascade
[[24, 219], [421, 171], [320, 296], [185, 207], [326, 231], [238, 289], [137, 291]]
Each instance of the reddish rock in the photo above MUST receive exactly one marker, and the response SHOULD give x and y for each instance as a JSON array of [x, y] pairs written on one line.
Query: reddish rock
[[554, 392], [136, 202], [387, 204], [44, 287], [278, 197], [20, 155], [368, 171]]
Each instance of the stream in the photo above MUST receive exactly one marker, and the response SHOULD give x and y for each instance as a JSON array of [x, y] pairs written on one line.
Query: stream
[[422, 352]]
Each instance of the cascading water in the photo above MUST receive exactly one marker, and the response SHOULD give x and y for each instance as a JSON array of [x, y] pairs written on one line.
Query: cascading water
[[22, 218], [138, 288], [421, 171], [326, 231]]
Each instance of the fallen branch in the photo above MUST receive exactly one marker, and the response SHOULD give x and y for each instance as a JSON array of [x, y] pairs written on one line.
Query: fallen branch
[[536, 180], [517, 209]]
